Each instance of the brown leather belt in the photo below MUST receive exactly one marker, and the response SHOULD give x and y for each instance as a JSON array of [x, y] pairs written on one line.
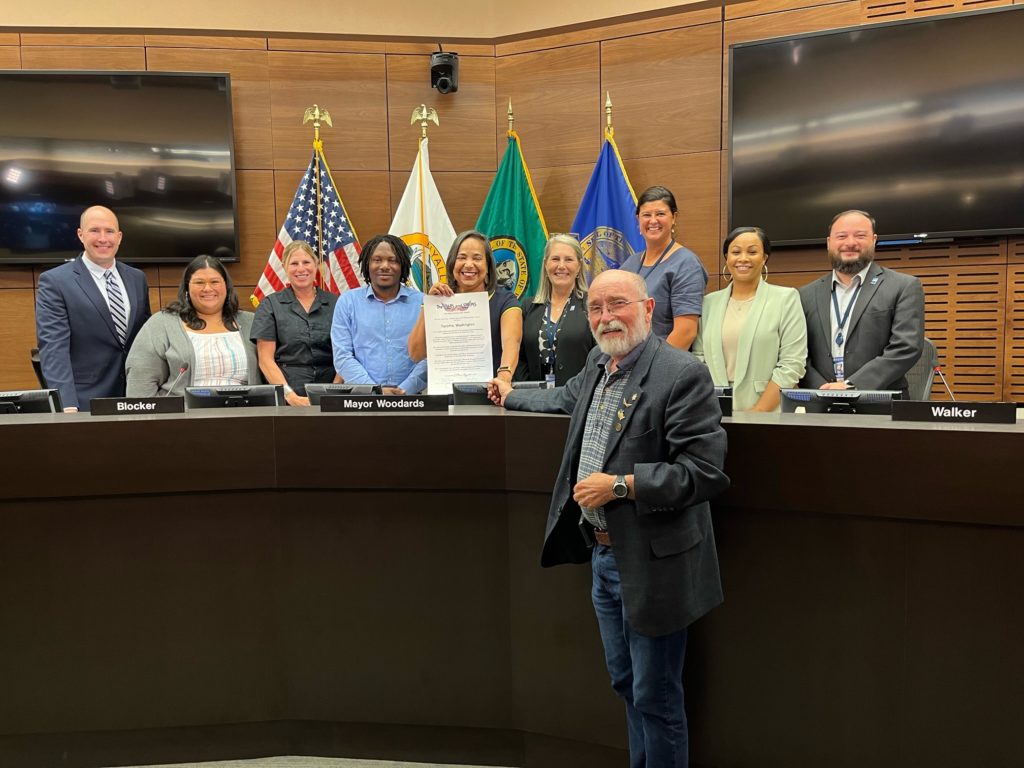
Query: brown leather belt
[[602, 537]]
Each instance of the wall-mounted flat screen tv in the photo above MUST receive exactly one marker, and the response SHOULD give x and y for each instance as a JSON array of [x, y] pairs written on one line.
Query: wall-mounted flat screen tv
[[920, 123], [156, 148]]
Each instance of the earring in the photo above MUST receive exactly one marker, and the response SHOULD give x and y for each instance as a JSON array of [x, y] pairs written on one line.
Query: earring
[[726, 273], [764, 271]]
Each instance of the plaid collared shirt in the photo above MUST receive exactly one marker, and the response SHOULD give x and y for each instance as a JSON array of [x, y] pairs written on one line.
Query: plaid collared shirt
[[600, 416]]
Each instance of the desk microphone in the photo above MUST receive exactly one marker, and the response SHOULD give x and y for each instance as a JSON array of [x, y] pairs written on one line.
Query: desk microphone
[[938, 370], [181, 372]]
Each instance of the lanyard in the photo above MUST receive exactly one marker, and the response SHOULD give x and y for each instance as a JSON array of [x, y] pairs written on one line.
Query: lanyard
[[640, 269], [841, 321], [550, 329]]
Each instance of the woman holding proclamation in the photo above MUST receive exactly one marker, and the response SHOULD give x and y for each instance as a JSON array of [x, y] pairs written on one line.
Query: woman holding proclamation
[[753, 335], [556, 334], [292, 328], [675, 277], [200, 339], [471, 268]]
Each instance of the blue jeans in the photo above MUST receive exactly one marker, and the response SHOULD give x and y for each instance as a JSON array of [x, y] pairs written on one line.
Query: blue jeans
[[647, 672]]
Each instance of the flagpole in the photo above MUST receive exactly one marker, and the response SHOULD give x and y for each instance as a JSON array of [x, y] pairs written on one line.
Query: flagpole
[[423, 115], [609, 132], [315, 115]]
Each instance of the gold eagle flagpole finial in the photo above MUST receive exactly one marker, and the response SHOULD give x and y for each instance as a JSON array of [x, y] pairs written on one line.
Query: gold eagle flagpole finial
[[424, 114], [609, 132], [511, 118], [317, 115]]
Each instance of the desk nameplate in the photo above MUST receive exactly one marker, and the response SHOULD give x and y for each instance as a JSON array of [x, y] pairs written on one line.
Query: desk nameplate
[[383, 403], [954, 412], [135, 406]]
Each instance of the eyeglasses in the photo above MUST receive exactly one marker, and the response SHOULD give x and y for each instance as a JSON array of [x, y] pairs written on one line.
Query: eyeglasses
[[614, 307]]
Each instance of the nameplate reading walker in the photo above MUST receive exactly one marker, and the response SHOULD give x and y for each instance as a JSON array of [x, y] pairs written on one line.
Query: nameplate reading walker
[[133, 406], [954, 413], [383, 403]]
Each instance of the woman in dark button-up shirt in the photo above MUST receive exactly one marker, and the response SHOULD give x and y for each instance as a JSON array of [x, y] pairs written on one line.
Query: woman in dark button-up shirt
[[292, 328]]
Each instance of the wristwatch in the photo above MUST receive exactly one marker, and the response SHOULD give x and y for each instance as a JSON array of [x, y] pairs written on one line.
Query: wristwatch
[[619, 487]]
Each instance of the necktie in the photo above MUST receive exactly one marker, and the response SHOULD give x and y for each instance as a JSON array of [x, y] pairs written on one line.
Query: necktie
[[115, 299]]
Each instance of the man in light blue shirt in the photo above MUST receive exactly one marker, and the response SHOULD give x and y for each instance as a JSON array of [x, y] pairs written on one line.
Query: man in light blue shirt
[[371, 326]]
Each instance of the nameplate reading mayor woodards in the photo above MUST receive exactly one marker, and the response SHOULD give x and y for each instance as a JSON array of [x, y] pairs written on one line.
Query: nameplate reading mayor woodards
[[383, 403], [954, 413]]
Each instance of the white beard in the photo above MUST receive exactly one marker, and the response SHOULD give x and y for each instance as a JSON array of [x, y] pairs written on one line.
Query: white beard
[[620, 346]]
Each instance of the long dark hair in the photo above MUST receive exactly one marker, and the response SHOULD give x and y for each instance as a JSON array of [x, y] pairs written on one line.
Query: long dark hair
[[182, 305], [453, 252]]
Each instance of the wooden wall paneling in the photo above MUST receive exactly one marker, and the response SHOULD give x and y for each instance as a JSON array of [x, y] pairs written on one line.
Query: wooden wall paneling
[[666, 91], [16, 277], [87, 40], [10, 57], [811, 260], [738, 9], [257, 224], [694, 180], [10, 38], [80, 57], [465, 139], [463, 49], [351, 87], [250, 94], [207, 41], [890, 10], [154, 299], [1013, 368], [789, 279], [557, 102], [794, 22], [324, 45], [559, 191], [463, 195], [169, 276], [711, 13], [17, 337], [366, 196], [965, 317]]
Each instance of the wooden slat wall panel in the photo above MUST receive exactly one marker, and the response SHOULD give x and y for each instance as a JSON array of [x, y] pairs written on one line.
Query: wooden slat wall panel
[[890, 10], [16, 277], [738, 9], [425, 49], [17, 337], [351, 86], [559, 190], [80, 57], [10, 38], [662, 117], [206, 41], [556, 98], [10, 57], [465, 139], [89, 41], [250, 94], [256, 222], [1013, 370], [324, 45]]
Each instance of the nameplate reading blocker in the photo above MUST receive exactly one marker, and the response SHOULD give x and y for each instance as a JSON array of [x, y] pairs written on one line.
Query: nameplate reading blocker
[[133, 406], [383, 403], [954, 413]]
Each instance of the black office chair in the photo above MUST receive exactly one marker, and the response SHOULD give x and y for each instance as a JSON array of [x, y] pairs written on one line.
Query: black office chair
[[38, 367], [922, 374]]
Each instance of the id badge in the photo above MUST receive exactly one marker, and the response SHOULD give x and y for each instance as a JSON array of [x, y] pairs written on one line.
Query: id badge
[[549, 381], [838, 369]]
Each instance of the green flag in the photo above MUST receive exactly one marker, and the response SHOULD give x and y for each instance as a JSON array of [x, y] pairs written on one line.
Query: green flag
[[512, 219]]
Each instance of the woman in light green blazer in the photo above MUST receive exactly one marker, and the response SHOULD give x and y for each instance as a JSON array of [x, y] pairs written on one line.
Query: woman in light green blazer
[[752, 334]]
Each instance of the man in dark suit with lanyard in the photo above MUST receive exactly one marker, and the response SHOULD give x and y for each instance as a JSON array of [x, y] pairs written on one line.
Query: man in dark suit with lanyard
[[644, 455], [88, 312], [865, 323]]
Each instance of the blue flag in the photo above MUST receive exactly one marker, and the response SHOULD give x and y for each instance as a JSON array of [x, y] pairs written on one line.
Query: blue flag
[[606, 221]]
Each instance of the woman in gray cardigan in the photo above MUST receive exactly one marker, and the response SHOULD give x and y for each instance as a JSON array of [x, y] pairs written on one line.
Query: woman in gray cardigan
[[200, 339]]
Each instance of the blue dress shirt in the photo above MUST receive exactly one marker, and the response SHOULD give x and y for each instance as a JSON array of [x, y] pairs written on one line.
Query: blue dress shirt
[[370, 339]]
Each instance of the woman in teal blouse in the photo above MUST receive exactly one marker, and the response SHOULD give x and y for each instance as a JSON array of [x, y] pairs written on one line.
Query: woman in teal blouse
[[752, 335]]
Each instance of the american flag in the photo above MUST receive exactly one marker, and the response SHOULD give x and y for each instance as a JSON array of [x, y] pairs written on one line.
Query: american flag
[[339, 251]]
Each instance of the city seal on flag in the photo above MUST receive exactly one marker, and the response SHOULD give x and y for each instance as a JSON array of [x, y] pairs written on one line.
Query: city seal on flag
[[604, 248], [510, 264], [420, 245]]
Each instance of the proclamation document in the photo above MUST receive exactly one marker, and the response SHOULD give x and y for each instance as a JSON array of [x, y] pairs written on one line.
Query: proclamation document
[[458, 340]]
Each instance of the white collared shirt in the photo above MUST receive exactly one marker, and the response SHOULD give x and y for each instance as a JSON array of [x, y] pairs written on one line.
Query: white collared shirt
[[844, 296], [99, 274]]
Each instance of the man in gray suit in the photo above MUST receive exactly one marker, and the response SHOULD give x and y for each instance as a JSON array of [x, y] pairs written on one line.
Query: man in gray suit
[[865, 323], [644, 454]]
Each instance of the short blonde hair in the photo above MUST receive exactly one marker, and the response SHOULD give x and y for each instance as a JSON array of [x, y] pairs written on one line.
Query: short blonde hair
[[544, 290], [293, 247]]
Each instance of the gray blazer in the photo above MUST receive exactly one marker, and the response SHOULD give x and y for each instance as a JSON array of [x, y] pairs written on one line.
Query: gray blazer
[[672, 441], [885, 335], [162, 347]]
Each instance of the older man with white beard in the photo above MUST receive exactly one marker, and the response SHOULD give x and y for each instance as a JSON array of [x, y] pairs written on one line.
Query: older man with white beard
[[865, 323], [644, 455]]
